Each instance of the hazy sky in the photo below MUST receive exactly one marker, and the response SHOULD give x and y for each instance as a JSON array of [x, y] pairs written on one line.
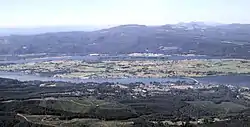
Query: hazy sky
[[23, 13]]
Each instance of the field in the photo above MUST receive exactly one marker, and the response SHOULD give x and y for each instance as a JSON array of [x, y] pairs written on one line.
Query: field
[[78, 122], [224, 107], [139, 69], [74, 112]]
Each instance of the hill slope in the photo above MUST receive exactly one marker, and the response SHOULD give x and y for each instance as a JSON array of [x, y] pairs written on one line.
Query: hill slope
[[231, 40]]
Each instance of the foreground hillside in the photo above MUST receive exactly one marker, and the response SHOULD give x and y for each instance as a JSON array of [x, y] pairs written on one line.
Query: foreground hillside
[[44, 104], [224, 40]]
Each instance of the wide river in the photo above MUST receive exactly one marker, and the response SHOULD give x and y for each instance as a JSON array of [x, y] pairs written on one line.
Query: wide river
[[237, 80]]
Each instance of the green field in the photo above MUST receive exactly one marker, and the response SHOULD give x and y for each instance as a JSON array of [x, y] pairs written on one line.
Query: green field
[[124, 69], [224, 107]]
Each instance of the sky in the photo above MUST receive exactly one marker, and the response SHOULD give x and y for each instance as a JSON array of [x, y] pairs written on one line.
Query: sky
[[36, 13]]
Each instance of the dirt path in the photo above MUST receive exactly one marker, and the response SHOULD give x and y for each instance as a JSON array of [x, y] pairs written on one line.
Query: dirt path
[[22, 116]]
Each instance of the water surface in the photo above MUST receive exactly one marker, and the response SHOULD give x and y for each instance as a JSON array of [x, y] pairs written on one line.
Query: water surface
[[237, 80]]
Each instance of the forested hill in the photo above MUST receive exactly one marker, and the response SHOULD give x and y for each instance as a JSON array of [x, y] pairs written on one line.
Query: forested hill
[[232, 40]]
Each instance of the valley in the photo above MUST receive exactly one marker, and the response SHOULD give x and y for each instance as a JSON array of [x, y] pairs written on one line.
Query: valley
[[173, 75]]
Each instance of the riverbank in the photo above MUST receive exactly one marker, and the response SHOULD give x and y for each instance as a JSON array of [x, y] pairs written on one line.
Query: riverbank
[[236, 80]]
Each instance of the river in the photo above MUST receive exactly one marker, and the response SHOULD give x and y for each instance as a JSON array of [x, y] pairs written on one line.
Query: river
[[28, 77], [237, 80]]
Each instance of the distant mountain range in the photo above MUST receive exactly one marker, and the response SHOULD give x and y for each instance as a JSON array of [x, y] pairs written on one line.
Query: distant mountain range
[[47, 29], [226, 40]]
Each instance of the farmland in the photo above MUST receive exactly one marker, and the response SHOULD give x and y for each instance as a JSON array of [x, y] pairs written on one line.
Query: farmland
[[135, 69]]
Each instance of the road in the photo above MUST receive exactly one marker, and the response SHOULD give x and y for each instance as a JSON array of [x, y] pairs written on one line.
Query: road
[[24, 117]]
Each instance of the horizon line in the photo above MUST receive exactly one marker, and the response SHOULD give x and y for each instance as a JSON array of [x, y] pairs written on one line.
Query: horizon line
[[109, 25]]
